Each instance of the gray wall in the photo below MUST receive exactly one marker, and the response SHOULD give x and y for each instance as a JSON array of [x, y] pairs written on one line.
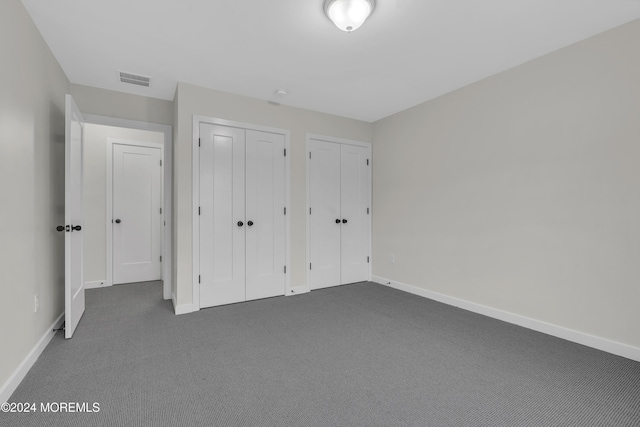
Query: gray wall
[[95, 192], [193, 100], [522, 192], [32, 89], [122, 105]]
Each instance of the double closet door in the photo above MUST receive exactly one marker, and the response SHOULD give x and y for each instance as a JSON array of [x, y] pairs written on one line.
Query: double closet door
[[242, 229], [339, 187]]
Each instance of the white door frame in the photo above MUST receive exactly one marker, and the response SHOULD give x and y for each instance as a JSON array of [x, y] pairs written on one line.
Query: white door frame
[[110, 143], [343, 141], [196, 196], [167, 242]]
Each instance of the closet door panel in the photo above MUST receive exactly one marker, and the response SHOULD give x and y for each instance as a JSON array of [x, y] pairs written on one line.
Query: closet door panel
[[324, 201], [354, 201], [222, 208], [265, 201]]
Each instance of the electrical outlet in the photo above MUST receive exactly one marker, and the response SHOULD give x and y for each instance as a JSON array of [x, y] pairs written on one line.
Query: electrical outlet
[[35, 303], [392, 258]]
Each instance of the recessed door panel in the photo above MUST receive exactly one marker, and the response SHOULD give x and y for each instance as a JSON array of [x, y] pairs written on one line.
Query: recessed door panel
[[265, 201], [222, 215]]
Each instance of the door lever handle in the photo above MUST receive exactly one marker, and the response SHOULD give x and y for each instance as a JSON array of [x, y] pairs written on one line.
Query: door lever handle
[[240, 223], [250, 223], [118, 221], [344, 221], [337, 221], [76, 227], [60, 228]]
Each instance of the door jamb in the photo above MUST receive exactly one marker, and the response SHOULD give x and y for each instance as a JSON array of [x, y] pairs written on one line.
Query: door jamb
[[110, 143], [167, 130]]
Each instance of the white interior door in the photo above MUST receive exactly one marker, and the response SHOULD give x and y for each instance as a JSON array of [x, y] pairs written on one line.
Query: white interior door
[[137, 213], [265, 202], [222, 215], [74, 280], [324, 216], [354, 206]]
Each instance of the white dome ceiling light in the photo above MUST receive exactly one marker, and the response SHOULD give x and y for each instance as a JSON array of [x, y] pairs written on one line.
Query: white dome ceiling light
[[348, 15]]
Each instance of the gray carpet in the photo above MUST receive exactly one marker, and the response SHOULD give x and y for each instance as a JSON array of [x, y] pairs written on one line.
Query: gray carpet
[[357, 355]]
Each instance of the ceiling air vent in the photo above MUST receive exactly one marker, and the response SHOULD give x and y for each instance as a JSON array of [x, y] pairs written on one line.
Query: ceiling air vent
[[134, 79]]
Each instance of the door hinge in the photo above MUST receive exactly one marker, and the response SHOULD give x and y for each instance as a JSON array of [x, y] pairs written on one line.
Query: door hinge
[[160, 258], [160, 162], [160, 210], [285, 210], [309, 266], [309, 211], [367, 162], [199, 278], [309, 154], [285, 152], [367, 211], [367, 259], [198, 210], [198, 142], [285, 269]]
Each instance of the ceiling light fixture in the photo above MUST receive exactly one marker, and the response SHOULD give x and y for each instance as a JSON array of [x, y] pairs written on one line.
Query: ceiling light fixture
[[348, 15]]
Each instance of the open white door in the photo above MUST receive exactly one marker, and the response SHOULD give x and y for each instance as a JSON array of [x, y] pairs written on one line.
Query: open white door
[[73, 216]]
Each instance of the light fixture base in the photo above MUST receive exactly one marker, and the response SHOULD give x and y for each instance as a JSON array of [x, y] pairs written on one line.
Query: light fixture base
[[348, 15]]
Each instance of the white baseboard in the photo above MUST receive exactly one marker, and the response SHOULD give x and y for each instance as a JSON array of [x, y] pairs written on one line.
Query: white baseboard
[[182, 308], [297, 290], [613, 347], [95, 284], [18, 375], [188, 308]]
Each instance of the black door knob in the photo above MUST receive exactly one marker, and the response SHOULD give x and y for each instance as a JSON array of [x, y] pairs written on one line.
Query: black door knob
[[118, 221], [344, 221], [60, 228], [250, 223], [77, 228], [240, 223], [337, 221]]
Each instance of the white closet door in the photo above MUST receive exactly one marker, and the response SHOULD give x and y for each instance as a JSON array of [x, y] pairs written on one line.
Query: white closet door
[[325, 218], [222, 219], [354, 197], [265, 227], [137, 199]]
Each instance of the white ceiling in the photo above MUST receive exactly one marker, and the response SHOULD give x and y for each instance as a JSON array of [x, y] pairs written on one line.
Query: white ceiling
[[409, 51]]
